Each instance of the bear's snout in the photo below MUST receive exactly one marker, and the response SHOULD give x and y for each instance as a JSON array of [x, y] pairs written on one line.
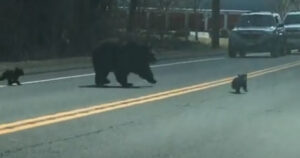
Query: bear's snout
[[153, 81]]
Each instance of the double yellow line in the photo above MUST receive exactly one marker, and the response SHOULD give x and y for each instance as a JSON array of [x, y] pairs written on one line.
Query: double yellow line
[[79, 113]]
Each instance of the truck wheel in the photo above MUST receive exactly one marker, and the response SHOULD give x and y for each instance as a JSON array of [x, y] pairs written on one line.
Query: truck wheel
[[276, 51], [283, 50], [231, 52], [242, 54]]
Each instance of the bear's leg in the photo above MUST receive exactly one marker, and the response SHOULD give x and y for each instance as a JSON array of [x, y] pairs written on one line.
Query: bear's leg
[[100, 78], [17, 82], [9, 82], [237, 90], [245, 88], [122, 79]]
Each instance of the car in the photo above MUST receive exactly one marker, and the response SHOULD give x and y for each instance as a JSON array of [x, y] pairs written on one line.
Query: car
[[292, 27], [258, 32]]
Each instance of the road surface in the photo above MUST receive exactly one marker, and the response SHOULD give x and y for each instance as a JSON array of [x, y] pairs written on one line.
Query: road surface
[[190, 113]]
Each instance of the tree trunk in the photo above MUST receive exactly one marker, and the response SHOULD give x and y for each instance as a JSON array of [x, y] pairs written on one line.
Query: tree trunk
[[132, 15], [215, 23], [196, 5]]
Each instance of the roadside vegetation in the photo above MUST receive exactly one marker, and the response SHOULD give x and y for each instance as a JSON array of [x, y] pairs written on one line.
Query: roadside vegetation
[[32, 30], [47, 29]]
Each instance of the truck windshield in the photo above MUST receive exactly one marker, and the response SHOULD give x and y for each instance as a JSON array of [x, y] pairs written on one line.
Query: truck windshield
[[256, 21], [292, 19]]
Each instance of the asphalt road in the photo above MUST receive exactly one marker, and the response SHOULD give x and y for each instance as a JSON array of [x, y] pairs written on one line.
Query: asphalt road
[[207, 123]]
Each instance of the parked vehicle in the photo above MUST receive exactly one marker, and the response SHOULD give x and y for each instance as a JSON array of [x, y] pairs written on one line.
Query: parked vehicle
[[292, 26], [258, 32]]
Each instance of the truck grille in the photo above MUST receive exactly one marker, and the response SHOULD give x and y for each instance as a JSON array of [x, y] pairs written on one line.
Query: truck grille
[[251, 36]]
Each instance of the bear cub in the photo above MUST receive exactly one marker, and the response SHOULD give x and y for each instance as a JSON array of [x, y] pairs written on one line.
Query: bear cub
[[240, 82], [12, 76]]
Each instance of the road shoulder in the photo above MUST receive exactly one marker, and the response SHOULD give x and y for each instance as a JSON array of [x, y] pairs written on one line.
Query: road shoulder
[[54, 65]]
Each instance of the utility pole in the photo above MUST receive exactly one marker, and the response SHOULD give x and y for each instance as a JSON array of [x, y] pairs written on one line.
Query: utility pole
[[215, 41], [132, 13]]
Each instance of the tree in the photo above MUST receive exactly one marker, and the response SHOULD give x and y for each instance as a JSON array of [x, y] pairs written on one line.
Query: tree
[[296, 4], [164, 7], [283, 6], [132, 14], [166, 4], [196, 7], [43, 29], [215, 23], [280, 6]]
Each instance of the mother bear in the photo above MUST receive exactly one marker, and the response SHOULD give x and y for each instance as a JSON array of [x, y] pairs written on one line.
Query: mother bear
[[122, 59]]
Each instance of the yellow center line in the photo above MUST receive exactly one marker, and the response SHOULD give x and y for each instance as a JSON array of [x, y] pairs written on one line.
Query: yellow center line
[[79, 113]]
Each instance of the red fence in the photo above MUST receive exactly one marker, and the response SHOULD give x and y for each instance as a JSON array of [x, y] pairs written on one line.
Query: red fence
[[196, 22], [181, 19]]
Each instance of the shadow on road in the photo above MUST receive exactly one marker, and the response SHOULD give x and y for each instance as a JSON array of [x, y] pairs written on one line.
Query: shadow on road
[[233, 92], [116, 87], [298, 53], [257, 57]]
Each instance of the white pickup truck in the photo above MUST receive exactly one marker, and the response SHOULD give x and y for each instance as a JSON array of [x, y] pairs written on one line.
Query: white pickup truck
[[292, 27]]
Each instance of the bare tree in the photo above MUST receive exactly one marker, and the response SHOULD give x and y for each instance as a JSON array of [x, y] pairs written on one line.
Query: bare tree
[[196, 7], [132, 14], [165, 5], [283, 6], [215, 23], [295, 4], [280, 6]]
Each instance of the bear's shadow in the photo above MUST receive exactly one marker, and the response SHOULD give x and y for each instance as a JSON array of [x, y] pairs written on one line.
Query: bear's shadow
[[233, 92], [113, 86]]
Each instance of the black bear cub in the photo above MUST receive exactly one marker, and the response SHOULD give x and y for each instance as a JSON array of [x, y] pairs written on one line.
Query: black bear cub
[[12, 76], [239, 82]]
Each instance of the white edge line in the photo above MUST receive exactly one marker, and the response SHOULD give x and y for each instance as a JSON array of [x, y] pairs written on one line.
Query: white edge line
[[91, 74]]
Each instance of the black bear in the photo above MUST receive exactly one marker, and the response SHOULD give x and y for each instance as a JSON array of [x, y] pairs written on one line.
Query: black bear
[[12, 76], [239, 82], [122, 59]]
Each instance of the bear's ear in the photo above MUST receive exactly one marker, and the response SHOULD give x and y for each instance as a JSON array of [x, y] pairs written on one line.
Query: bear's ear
[[244, 75]]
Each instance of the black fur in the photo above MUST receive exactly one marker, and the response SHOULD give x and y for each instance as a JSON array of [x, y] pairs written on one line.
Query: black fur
[[122, 59], [240, 82], [12, 76]]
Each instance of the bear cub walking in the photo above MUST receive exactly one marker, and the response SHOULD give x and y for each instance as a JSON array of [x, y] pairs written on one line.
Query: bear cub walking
[[239, 82], [12, 76]]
